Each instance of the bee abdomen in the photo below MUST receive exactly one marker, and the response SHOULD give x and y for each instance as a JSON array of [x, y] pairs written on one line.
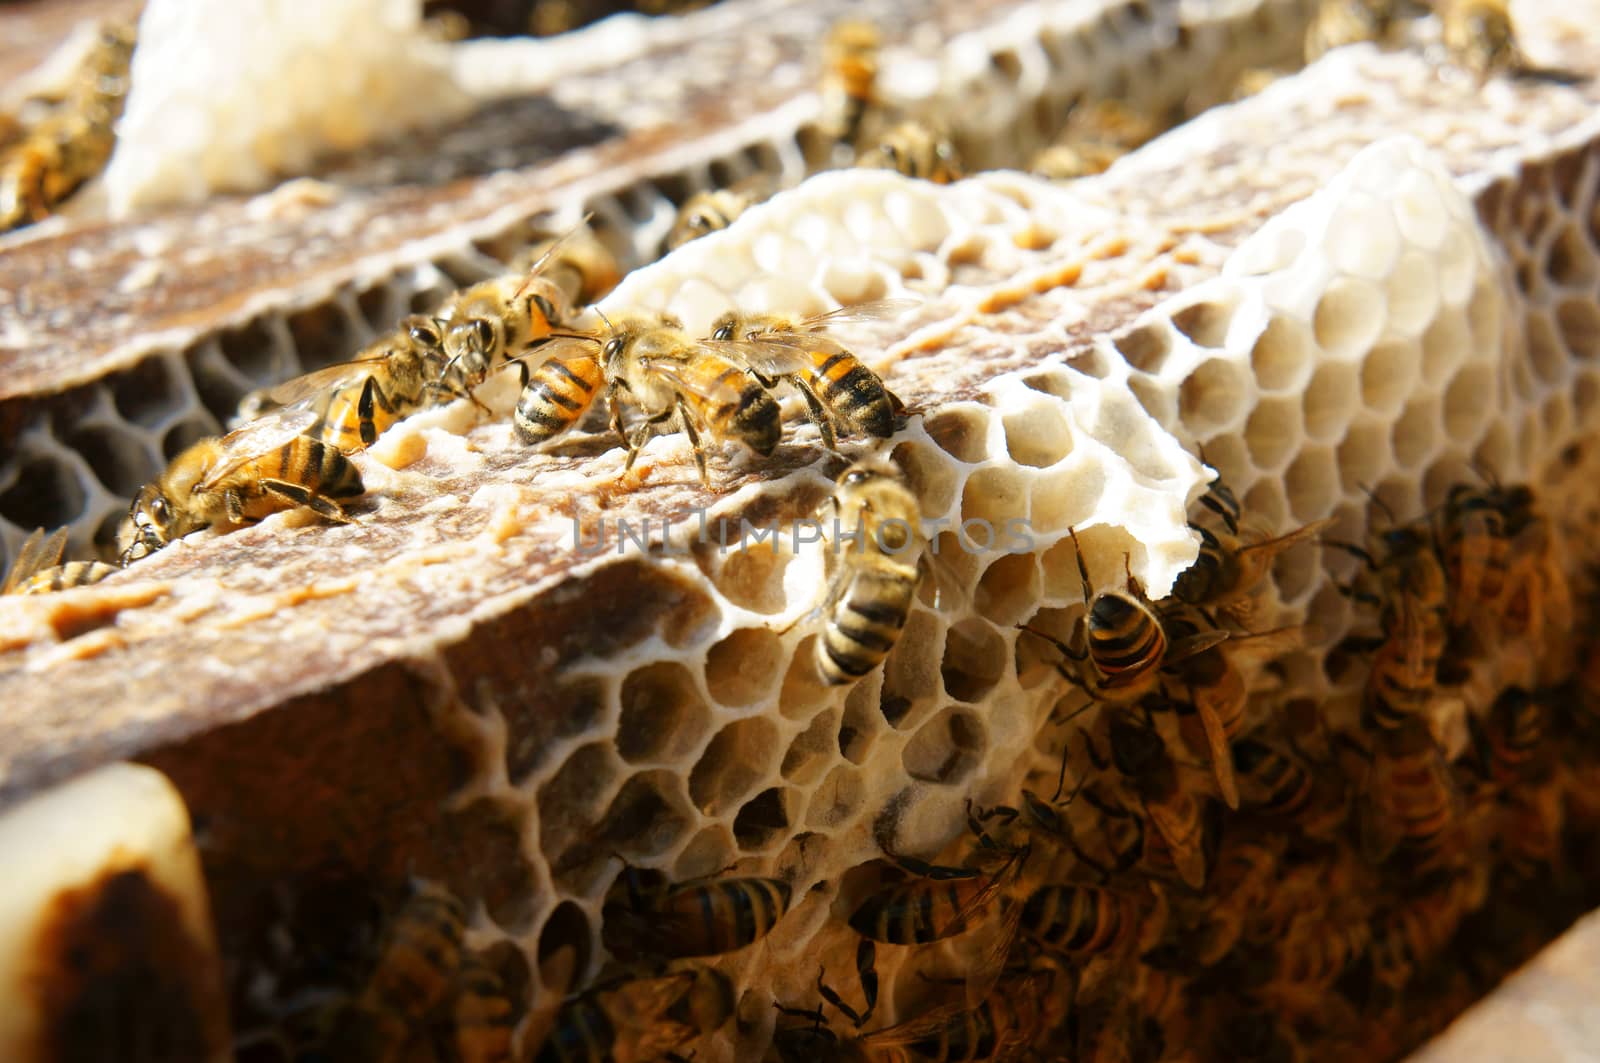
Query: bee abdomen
[[758, 419], [858, 394], [864, 625], [1074, 918], [64, 577], [555, 398], [731, 914], [582, 1033]]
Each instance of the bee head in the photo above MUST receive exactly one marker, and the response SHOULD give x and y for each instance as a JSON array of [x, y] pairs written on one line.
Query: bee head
[[146, 527], [424, 332]]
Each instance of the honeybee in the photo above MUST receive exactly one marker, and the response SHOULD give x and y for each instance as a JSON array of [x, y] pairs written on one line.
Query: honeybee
[[1412, 933], [1096, 134], [840, 392], [1226, 572], [870, 590], [482, 1016], [913, 149], [849, 79], [620, 1022], [1176, 813], [1512, 739], [357, 401], [1216, 690], [70, 145], [1124, 643], [1281, 786], [568, 272], [1081, 919], [415, 971], [259, 469], [1412, 803], [653, 365], [1315, 952], [715, 209], [936, 903], [703, 917], [38, 568]]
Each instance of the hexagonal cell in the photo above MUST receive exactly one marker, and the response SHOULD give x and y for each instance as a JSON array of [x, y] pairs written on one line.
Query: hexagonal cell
[[1444, 344], [1389, 375], [1412, 294], [1273, 432], [1206, 324], [762, 820], [742, 668], [909, 670], [933, 478], [257, 349], [566, 928], [1364, 454], [749, 575], [324, 334], [536, 722], [803, 690], [1155, 397], [1496, 451], [1586, 398], [1065, 497], [707, 853], [45, 494], [1053, 381], [974, 660], [734, 762], [185, 434], [1349, 317], [648, 817], [117, 456], [487, 861], [1546, 353], [1146, 347], [1468, 403], [151, 393], [1008, 589], [568, 799], [961, 431], [1416, 434], [1571, 262], [812, 750], [1037, 434], [946, 749], [1557, 416], [664, 716], [1312, 483], [1579, 322], [1362, 238], [862, 723], [837, 801], [1058, 568], [1486, 315], [1264, 505], [1215, 396], [1331, 401], [1282, 355], [991, 497]]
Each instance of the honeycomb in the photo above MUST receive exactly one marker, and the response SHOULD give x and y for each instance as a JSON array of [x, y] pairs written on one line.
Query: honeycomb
[[1391, 327]]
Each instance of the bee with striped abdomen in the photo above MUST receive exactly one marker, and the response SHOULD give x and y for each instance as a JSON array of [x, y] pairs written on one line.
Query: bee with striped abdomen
[[841, 393], [849, 77], [620, 1022], [357, 401], [703, 917], [913, 149], [559, 391], [1227, 572], [1475, 544], [260, 469], [1412, 806], [1341, 22], [1281, 786], [1411, 933], [483, 1018], [73, 143], [1123, 641], [872, 583], [935, 902], [415, 971], [38, 568], [654, 366]]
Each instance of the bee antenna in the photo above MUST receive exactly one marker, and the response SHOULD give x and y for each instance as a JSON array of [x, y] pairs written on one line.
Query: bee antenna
[[1394, 521], [609, 326]]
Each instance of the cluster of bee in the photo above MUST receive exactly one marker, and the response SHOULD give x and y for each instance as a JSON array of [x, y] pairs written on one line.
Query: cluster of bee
[[66, 140]]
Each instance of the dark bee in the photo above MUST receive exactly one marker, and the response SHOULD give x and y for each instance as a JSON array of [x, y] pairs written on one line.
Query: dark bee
[[937, 903], [1280, 785], [704, 917], [1176, 813], [619, 1022], [914, 149], [1227, 572]]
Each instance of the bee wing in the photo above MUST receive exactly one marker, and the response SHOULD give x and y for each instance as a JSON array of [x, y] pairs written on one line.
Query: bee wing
[[258, 437], [1253, 560], [302, 389], [984, 973], [699, 380], [774, 354], [1176, 830], [921, 1028], [1221, 752], [875, 310], [1263, 646], [35, 554]]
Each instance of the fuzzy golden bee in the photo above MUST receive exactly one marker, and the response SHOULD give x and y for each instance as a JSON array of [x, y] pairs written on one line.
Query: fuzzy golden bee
[[664, 374], [850, 76], [38, 568], [267, 466], [842, 394], [715, 209], [72, 143], [1227, 571]]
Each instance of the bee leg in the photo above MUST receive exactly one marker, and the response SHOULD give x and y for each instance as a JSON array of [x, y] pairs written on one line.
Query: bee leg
[[302, 496], [867, 972], [817, 412], [694, 441], [837, 1001]]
